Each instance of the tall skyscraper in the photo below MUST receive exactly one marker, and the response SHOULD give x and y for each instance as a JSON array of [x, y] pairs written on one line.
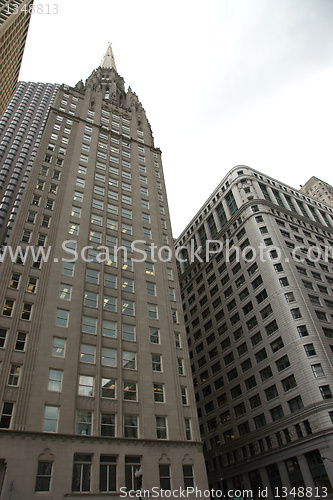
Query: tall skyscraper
[[259, 323], [14, 23], [96, 387], [318, 189], [21, 128]]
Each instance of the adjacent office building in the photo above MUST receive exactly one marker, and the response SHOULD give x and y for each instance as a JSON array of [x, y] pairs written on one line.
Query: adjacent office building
[[96, 387], [21, 129], [319, 190], [259, 323], [14, 24]]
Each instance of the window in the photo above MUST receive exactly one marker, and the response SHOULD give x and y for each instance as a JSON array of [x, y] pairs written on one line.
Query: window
[[6, 415], [65, 292], [68, 269], [165, 479], [81, 472], [295, 404], [152, 311], [161, 428], [130, 426], [8, 307], [296, 313], [55, 379], [158, 393], [183, 391], [309, 349], [108, 473], [174, 316], [303, 331], [288, 383], [44, 474], [282, 363], [156, 360], [129, 360], [108, 425], [188, 476], [14, 282], [87, 353], [271, 392], [317, 370], [325, 391], [83, 423], [62, 318], [20, 341], [276, 413], [108, 388], [132, 464], [86, 386], [277, 344], [180, 367], [154, 335], [109, 303], [130, 392], [14, 375], [90, 299], [50, 419], [108, 357], [150, 268], [3, 334]]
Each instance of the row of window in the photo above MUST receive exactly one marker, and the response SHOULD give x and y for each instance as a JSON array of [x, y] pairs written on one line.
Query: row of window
[[297, 476], [108, 474]]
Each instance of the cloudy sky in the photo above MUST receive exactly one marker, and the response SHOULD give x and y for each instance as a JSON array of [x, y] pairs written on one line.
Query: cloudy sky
[[224, 83]]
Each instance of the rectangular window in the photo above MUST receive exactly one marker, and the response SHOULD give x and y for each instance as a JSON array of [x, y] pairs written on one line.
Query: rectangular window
[[130, 391], [81, 472], [188, 476], [14, 375], [50, 419], [154, 335], [158, 393], [108, 388], [156, 360], [6, 415], [55, 380], [128, 332], [58, 348], [86, 385], [161, 428], [129, 360], [130, 426], [87, 354], [152, 311], [109, 328], [108, 425], [83, 423], [44, 474], [108, 473]]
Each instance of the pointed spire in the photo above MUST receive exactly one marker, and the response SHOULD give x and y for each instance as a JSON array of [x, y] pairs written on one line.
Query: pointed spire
[[108, 61]]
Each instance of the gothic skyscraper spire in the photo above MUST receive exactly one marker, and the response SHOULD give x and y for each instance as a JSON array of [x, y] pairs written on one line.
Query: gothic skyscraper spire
[[108, 61]]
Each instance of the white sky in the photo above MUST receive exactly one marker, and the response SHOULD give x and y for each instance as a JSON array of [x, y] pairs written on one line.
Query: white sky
[[224, 83]]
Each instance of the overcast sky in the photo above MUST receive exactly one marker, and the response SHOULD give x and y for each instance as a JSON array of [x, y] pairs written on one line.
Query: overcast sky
[[224, 83]]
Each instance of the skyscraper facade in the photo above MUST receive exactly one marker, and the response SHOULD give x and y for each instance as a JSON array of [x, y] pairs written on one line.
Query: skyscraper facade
[[21, 128], [14, 24], [318, 189], [259, 323], [96, 387]]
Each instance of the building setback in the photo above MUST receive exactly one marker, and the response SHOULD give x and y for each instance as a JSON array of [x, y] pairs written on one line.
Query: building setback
[[21, 128], [95, 379], [319, 189], [14, 24], [260, 333]]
